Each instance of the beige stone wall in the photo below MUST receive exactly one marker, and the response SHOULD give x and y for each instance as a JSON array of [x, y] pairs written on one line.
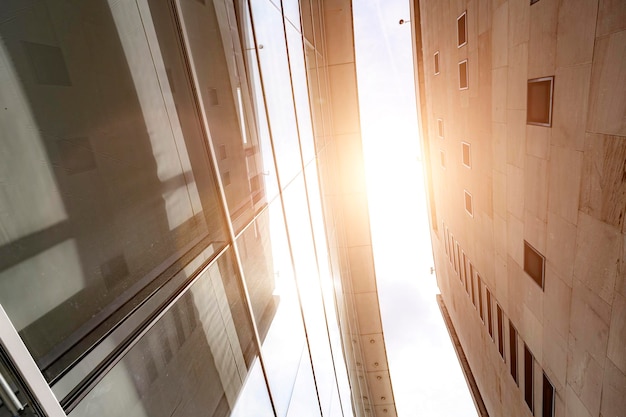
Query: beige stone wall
[[560, 188]]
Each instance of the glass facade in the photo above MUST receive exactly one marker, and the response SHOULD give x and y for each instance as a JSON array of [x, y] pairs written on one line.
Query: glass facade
[[164, 247]]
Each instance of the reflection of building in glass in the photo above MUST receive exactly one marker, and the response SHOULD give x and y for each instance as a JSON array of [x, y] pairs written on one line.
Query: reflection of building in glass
[[531, 264], [183, 220]]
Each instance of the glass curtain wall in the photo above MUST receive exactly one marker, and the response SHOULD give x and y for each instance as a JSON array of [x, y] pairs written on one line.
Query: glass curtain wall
[[162, 240]]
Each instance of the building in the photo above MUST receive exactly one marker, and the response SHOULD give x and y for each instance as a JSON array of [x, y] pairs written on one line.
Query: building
[[184, 224], [522, 111]]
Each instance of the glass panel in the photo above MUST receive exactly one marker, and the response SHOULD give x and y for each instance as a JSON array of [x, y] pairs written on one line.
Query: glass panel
[[192, 361], [257, 103], [107, 187], [328, 291], [271, 285], [270, 36], [301, 94], [253, 400], [298, 223], [303, 404], [292, 12], [217, 59]]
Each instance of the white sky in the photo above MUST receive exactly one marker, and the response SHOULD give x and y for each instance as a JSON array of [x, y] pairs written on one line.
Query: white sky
[[425, 372]]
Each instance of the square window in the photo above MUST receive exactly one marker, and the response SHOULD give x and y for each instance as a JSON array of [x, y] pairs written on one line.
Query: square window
[[440, 128], [539, 102], [534, 264], [443, 158], [48, 64], [467, 161], [469, 206], [437, 63], [461, 29], [463, 82]]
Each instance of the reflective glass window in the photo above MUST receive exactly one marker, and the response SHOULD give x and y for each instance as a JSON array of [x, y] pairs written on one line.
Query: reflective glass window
[[107, 187], [224, 92], [274, 69], [273, 293], [301, 95], [299, 226], [193, 361]]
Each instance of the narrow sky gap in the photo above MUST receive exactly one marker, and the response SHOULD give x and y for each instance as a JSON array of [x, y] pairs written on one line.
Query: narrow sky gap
[[425, 373]]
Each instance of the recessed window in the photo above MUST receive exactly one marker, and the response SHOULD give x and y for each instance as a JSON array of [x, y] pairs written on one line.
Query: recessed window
[[472, 290], [461, 30], [533, 2], [456, 262], [548, 397], [513, 351], [440, 128], [442, 154], [539, 102], [534, 264], [437, 63], [463, 83], [528, 378], [479, 283], [463, 276], [500, 330], [469, 205], [489, 313], [458, 256], [467, 161]]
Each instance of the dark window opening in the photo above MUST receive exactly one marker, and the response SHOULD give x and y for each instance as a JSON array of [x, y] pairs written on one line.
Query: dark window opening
[[539, 103], [489, 314], [473, 291], [513, 351], [465, 273], [437, 63], [548, 398], [463, 83], [500, 331], [466, 154], [528, 378], [461, 30], [480, 297], [534, 264], [456, 262], [440, 127]]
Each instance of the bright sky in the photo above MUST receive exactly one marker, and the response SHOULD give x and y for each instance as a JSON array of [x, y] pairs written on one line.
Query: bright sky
[[425, 372]]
